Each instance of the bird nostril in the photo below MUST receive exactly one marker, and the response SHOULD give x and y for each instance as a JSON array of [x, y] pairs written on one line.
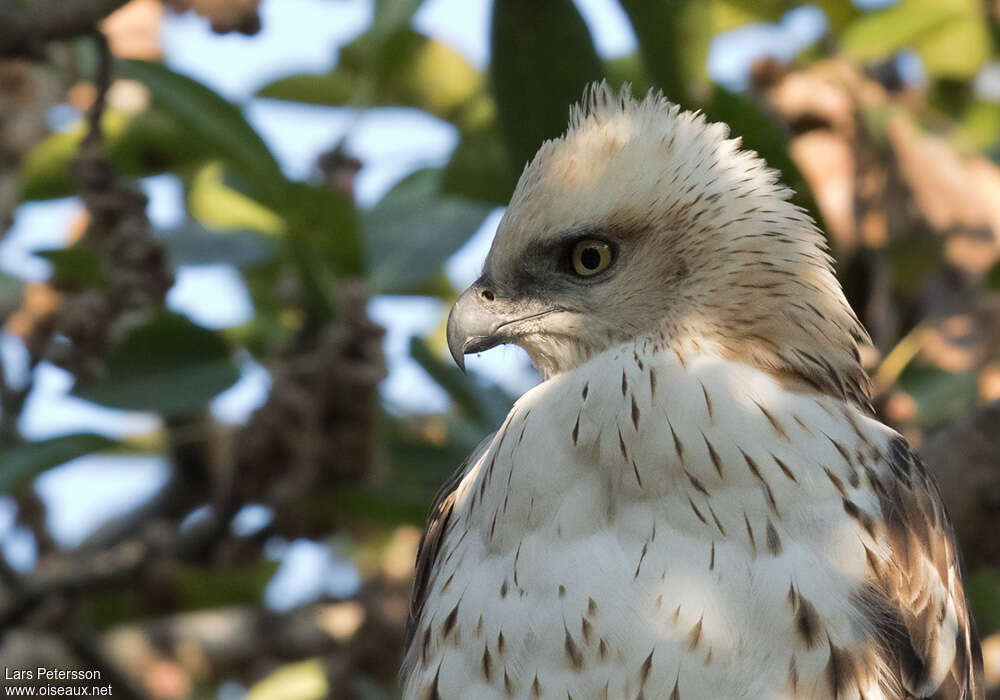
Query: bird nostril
[[487, 295]]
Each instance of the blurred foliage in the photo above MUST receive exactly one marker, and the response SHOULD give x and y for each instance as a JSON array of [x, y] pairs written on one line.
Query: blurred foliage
[[25, 460], [832, 121], [167, 365]]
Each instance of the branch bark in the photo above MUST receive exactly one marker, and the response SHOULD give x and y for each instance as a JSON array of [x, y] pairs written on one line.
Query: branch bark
[[25, 25], [121, 565]]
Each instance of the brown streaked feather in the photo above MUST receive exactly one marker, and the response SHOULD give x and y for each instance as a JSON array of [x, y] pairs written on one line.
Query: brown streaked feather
[[438, 522], [900, 600]]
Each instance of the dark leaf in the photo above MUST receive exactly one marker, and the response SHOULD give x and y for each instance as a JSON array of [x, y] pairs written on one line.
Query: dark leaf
[[629, 69], [385, 505], [197, 588], [334, 88], [479, 168], [940, 395], [138, 144], [402, 68], [77, 267], [983, 588], [487, 404], [25, 460], [193, 244], [658, 25], [11, 294], [323, 241], [413, 231], [326, 222], [211, 118], [757, 131], [542, 57], [168, 365], [391, 15], [993, 277]]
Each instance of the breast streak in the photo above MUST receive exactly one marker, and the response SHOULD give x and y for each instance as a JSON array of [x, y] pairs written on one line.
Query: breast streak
[[644, 527]]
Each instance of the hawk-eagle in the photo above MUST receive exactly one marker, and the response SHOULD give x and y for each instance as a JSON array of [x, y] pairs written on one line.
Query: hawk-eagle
[[696, 502]]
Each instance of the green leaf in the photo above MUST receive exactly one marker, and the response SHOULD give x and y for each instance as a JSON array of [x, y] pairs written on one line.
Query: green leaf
[[663, 45], [217, 205], [542, 57], [951, 36], [674, 38], [211, 118], [321, 226], [334, 88], [11, 295], [838, 13], [881, 33], [326, 222], [487, 404], [993, 277], [434, 77], [629, 69], [940, 395], [980, 124], [391, 15], [197, 588], [758, 131], [733, 14], [911, 260], [983, 588], [399, 69], [167, 365], [140, 144], [193, 244], [25, 460], [479, 168], [303, 680], [437, 286], [78, 267], [413, 231], [958, 49], [385, 505]]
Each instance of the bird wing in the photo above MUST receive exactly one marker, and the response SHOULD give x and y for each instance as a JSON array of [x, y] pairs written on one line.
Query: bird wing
[[928, 644], [438, 522]]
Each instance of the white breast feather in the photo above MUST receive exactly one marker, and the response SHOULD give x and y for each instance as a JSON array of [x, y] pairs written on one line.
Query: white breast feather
[[596, 535]]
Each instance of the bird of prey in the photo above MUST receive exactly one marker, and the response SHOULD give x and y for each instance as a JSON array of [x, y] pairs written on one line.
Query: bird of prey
[[696, 502]]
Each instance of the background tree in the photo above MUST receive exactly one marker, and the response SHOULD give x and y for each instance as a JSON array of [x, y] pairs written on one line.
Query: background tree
[[898, 163]]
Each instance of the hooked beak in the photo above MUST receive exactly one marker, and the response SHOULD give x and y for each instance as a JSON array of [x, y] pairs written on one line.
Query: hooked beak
[[481, 320]]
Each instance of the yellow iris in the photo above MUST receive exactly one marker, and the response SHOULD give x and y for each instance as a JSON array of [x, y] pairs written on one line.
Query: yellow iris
[[590, 256]]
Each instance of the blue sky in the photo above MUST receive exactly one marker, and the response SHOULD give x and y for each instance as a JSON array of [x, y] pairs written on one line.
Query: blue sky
[[298, 35]]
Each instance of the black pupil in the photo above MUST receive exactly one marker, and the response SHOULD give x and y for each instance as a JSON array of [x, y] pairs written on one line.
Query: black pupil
[[590, 258]]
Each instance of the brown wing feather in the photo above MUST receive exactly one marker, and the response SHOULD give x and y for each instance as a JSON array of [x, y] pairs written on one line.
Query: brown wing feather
[[438, 522], [909, 593]]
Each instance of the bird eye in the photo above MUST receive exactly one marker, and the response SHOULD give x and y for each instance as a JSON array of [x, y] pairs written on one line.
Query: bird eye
[[590, 256]]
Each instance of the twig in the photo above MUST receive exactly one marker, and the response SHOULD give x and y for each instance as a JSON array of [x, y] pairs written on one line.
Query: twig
[[10, 408], [10, 577], [115, 567], [899, 357], [31, 512], [99, 571], [102, 82]]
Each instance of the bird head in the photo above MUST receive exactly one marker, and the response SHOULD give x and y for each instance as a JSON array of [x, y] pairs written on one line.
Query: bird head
[[646, 221]]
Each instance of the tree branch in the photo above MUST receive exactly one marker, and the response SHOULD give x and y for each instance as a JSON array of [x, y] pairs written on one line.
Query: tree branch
[[121, 565], [25, 25]]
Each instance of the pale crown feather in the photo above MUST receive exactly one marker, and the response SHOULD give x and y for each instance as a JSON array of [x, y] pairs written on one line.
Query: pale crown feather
[[712, 250]]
